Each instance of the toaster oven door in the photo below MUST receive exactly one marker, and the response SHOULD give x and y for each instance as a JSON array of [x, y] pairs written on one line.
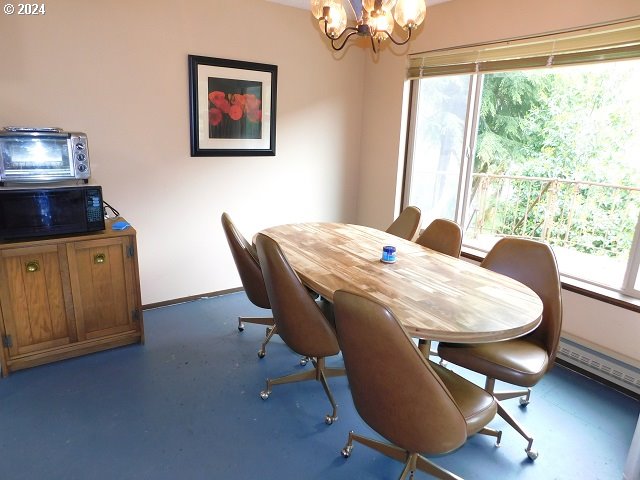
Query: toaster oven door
[[35, 158]]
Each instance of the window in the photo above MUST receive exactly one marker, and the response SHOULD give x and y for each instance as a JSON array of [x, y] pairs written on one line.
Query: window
[[545, 153]]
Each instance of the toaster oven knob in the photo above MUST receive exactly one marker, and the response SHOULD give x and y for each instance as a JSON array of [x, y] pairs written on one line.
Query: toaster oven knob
[[81, 157], [80, 146], [82, 168]]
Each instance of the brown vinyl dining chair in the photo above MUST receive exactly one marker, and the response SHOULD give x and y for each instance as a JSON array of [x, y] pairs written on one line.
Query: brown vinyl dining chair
[[417, 405], [443, 236], [301, 323], [525, 360], [407, 224], [246, 260]]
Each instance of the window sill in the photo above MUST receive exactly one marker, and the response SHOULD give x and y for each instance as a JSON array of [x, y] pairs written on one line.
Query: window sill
[[576, 286]]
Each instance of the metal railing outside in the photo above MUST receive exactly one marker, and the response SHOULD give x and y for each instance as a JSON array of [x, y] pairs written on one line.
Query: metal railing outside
[[588, 217]]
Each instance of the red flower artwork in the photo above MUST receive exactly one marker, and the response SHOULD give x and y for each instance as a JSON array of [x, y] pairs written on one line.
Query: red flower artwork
[[215, 116], [235, 108], [235, 112], [235, 105]]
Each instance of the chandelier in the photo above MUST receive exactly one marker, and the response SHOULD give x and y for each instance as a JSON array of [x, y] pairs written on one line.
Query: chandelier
[[375, 19]]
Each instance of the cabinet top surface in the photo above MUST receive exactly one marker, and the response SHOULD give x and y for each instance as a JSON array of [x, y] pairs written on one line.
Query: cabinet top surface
[[108, 232]]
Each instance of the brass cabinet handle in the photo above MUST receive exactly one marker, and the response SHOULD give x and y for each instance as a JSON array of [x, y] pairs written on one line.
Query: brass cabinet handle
[[99, 258], [32, 266]]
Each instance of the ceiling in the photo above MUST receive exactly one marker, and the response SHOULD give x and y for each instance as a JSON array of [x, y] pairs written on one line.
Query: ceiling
[[304, 4]]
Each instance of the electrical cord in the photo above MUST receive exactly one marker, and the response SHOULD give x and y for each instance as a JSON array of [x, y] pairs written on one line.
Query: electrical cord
[[106, 206]]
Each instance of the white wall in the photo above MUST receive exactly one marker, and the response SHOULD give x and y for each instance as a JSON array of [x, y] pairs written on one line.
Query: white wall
[[117, 70], [463, 22]]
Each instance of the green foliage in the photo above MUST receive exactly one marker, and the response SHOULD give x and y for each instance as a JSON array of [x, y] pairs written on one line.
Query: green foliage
[[577, 124]]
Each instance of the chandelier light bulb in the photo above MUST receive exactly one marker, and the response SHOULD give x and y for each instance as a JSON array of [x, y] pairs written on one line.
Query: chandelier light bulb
[[410, 13], [382, 25], [337, 21], [318, 5]]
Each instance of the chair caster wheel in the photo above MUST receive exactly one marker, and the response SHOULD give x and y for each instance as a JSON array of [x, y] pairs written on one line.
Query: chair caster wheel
[[264, 394], [524, 401], [241, 328], [329, 419], [532, 454], [346, 451], [261, 353], [304, 361]]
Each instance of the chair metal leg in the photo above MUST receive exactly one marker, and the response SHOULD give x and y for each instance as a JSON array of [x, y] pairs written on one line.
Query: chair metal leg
[[294, 377], [428, 351], [255, 320], [412, 461], [319, 373], [425, 347], [271, 331], [387, 449], [524, 393], [492, 433], [489, 387], [409, 467], [532, 454], [431, 468], [328, 419]]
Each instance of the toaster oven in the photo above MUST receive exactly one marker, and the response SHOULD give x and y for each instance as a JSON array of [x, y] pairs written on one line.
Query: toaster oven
[[43, 155]]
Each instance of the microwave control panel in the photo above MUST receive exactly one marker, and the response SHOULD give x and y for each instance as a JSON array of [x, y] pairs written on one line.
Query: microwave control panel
[[95, 212]]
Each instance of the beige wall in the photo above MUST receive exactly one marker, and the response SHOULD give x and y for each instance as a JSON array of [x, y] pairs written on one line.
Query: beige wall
[[118, 71], [463, 22]]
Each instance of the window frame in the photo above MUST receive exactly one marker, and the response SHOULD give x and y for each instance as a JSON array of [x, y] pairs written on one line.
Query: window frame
[[626, 296], [597, 43]]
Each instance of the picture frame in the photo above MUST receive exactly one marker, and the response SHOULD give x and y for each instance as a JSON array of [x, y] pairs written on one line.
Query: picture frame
[[232, 107]]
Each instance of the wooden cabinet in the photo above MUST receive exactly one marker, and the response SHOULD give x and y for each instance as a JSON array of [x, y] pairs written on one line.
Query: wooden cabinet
[[69, 296]]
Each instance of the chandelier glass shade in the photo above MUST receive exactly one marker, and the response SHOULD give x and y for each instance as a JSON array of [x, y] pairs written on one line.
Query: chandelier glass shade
[[375, 19]]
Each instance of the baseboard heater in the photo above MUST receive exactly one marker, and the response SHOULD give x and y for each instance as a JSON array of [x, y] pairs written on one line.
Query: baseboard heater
[[601, 365]]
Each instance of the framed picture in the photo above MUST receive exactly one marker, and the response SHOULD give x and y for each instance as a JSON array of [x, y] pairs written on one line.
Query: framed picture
[[233, 107]]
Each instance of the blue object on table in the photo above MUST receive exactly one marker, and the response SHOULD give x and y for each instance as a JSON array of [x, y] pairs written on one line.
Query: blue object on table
[[388, 254], [120, 225]]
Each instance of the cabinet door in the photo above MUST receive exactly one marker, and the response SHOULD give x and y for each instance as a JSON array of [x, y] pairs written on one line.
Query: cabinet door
[[104, 286], [35, 298]]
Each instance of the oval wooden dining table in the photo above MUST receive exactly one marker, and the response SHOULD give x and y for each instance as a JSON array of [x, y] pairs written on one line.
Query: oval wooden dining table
[[434, 296]]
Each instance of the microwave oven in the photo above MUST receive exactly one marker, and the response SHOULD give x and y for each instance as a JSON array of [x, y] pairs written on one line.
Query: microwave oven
[[43, 155], [37, 212]]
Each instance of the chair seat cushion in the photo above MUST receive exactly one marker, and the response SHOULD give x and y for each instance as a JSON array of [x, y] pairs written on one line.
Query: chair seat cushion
[[477, 406], [519, 362]]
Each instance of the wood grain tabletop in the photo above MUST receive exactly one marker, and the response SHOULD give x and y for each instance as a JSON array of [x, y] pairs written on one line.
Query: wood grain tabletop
[[434, 296]]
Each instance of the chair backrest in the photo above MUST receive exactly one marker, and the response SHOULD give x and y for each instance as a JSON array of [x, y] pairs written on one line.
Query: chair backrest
[[533, 263], [443, 236], [393, 387], [246, 259], [407, 223], [301, 323]]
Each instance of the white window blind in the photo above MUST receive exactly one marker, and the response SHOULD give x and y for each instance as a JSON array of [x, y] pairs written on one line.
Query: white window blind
[[614, 41]]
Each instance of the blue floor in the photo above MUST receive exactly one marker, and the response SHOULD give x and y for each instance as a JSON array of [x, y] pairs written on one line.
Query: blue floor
[[186, 405]]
